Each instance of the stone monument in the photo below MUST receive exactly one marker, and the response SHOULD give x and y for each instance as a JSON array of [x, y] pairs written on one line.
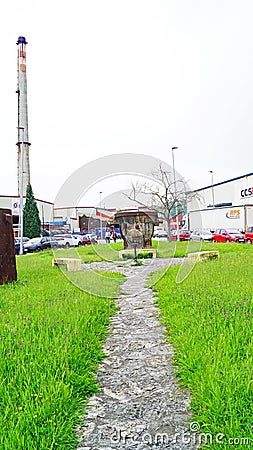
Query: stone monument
[[136, 227]]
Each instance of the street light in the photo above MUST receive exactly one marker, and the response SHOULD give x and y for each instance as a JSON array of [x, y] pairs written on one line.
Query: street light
[[100, 193], [21, 179], [211, 172], [175, 190]]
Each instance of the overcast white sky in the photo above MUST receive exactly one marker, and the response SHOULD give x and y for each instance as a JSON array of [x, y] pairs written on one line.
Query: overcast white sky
[[112, 76]]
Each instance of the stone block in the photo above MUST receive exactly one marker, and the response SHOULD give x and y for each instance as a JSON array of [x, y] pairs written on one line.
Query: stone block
[[140, 253], [203, 256], [69, 264]]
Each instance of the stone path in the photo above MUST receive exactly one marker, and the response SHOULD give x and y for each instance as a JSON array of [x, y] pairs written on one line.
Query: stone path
[[140, 405]]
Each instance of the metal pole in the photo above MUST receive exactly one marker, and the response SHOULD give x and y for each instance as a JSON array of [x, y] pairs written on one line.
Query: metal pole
[[43, 219], [175, 189], [211, 172], [21, 178], [135, 254], [100, 217]]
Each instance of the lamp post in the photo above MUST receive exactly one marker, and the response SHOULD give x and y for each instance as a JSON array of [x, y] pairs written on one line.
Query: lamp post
[[21, 180], [175, 189], [211, 172], [100, 193], [43, 218]]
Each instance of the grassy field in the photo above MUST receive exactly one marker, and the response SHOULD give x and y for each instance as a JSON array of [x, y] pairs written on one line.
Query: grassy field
[[104, 252], [50, 347], [52, 333], [209, 322], [165, 249]]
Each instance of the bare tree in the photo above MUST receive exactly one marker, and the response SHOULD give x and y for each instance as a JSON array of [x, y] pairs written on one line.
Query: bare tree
[[161, 194]]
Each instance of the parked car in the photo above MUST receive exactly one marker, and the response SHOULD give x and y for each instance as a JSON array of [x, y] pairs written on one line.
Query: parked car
[[17, 244], [89, 238], [248, 237], [228, 235], [181, 235], [67, 240], [46, 233], [160, 233], [201, 235], [79, 238], [39, 243]]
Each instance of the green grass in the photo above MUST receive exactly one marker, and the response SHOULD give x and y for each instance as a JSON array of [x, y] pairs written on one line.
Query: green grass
[[167, 249], [50, 347], [209, 322], [92, 253], [110, 252], [100, 252], [93, 281], [52, 333]]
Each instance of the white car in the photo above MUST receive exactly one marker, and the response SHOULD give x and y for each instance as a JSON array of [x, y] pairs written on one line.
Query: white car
[[67, 240], [160, 233], [201, 235]]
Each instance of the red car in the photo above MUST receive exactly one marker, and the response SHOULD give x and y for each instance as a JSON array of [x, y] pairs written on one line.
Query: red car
[[88, 239], [183, 235], [249, 235], [228, 235]]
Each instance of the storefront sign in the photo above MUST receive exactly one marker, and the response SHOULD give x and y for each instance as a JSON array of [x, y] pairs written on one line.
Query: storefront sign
[[15, 207], [233, 214], [248, 192]]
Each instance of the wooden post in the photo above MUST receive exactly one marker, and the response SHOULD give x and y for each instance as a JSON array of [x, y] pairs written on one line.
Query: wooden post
[[8, 271]]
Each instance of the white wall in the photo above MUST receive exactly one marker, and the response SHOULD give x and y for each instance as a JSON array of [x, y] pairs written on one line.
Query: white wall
[[238, 191], [12, 203]]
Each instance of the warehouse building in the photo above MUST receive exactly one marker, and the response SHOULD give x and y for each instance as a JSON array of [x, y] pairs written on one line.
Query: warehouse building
[[46, 210], [225, 204]]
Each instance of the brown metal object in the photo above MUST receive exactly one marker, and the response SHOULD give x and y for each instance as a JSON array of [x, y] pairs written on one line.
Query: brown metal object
[[8, 271], [136, 227]]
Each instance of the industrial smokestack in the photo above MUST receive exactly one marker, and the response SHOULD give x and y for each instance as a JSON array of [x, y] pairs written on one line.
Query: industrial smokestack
[[23, 138]]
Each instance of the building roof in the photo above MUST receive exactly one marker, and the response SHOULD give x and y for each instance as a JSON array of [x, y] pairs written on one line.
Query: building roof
[[223, 182], [17, 196]]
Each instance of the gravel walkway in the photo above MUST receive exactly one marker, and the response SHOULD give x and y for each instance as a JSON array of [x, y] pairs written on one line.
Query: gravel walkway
[[140, 405]]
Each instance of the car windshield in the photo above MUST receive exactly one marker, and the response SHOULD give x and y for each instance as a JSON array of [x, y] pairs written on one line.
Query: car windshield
[[206, 232], [233, 231]]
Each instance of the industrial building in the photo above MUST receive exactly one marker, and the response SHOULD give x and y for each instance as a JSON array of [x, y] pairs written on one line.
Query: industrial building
[[76, 219], [83, 218], [46, 210], [225, 204]]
